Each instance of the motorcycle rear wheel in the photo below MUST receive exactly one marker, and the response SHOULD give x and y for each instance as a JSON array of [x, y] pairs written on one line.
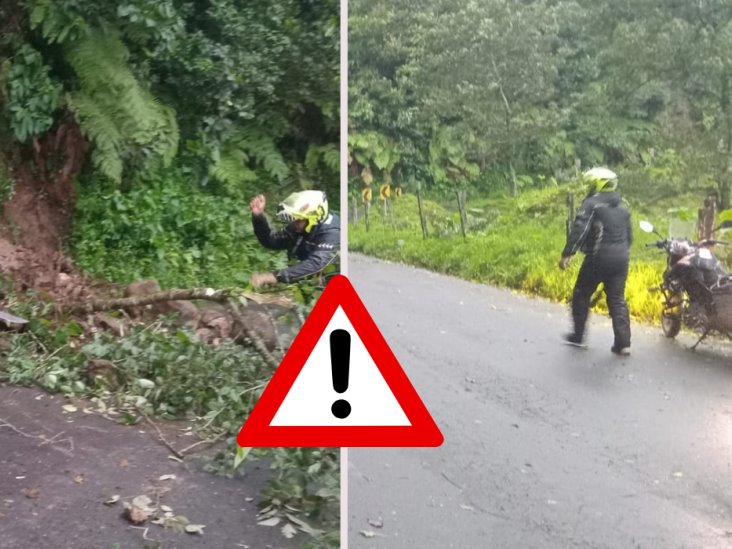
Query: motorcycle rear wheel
[[670, 324]]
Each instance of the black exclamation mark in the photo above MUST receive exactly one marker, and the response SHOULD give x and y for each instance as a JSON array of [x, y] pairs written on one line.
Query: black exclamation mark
[[340, 358]]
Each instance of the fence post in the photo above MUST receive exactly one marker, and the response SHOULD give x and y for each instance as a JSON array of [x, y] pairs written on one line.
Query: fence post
[[422, 220], [462, 198], [570, 213], [705, 218]]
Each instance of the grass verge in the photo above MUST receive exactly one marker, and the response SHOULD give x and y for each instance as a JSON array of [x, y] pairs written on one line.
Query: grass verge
[[514, 243]]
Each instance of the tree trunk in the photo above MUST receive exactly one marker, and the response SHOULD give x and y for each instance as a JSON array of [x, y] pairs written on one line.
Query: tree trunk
[[169, 295], [705, 219], [724, 192], [507, 107]]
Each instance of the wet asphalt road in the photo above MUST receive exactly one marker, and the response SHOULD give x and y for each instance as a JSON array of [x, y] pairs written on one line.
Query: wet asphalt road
[[545, 445]]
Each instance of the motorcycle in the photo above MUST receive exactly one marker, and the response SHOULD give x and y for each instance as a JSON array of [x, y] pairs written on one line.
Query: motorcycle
[[696, 289]]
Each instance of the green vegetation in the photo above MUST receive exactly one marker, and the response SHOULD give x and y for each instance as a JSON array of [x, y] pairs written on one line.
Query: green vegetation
[[508, 100], [512, 242], [162, 371], [132, 136], [223, 98], [493, 94], [158, 231]]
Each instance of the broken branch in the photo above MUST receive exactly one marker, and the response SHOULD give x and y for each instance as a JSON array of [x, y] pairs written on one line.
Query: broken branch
[[43, 438], [250, 336], [207, 442], [167, 444]]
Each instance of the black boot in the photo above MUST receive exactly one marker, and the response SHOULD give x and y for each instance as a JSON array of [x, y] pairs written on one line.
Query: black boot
[[574, 339]]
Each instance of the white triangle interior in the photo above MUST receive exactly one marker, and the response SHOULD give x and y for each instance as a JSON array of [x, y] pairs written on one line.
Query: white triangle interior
[[309, 401]]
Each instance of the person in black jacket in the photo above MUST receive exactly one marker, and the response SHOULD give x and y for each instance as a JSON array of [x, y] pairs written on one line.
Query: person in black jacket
[[312, 236], [601, 230]]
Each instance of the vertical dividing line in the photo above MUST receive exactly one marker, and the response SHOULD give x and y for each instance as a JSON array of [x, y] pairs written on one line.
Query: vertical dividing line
[[344, 233], [344, 497], [344, 136]]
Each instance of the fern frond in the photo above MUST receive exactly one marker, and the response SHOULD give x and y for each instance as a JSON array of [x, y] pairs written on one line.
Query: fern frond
[[231, 168], [332, 158], [247, 150], [122, 119], [98, 122], [329, 155], [261, 147], [101, 129]]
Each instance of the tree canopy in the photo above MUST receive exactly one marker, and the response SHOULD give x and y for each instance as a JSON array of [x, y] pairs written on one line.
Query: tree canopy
[[532, 89], [240, 96]]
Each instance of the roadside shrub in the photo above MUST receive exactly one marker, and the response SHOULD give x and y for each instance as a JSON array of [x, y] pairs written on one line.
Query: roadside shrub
[[168, 229]]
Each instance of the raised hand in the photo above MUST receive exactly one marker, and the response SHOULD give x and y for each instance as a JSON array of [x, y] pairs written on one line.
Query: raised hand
[[257, 204]]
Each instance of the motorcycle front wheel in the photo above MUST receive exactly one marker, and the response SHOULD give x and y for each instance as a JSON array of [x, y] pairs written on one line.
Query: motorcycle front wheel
[[670, 324]]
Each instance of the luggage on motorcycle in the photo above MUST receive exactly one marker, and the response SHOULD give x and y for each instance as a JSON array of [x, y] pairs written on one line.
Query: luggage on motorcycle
[[722, 299], [724, 283]]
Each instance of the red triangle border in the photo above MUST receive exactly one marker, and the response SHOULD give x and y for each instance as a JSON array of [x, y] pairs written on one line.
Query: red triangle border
[[257, 431]]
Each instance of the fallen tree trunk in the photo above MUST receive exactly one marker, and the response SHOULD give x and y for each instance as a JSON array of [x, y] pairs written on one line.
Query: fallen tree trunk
[[250, 336], [232, 298], [95, 305]]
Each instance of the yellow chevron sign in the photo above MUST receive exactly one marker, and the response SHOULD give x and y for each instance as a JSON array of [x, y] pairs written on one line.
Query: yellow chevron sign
[[366, 194], [385, 191]]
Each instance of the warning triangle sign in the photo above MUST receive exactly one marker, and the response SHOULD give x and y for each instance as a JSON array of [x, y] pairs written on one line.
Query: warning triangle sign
[[339, 385]]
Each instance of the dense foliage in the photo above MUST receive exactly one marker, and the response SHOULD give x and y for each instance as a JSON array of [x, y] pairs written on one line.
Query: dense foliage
[[241, 97], [157, 230], [135, 133], [506, 94]]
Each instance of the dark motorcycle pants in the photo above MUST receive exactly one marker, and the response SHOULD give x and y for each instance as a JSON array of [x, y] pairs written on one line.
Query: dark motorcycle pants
[[612, 272]]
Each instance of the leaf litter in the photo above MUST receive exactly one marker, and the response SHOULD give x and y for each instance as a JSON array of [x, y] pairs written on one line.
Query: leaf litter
[[141, 509]]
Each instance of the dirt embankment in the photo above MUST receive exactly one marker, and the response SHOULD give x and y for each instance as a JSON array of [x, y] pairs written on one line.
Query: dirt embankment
[[37, 216]]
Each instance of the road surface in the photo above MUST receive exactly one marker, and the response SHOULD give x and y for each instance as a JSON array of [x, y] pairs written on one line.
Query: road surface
[[546, 445], [58, 468]]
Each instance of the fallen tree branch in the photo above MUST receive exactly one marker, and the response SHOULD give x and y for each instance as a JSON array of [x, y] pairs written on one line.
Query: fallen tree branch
[[94, 305], [249, 335], [43, 438], [207, 442], [167, 444], [233, 300]]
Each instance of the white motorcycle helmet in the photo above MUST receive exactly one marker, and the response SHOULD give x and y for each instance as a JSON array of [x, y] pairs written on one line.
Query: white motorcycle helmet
[[601, 180], [309, 205]]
